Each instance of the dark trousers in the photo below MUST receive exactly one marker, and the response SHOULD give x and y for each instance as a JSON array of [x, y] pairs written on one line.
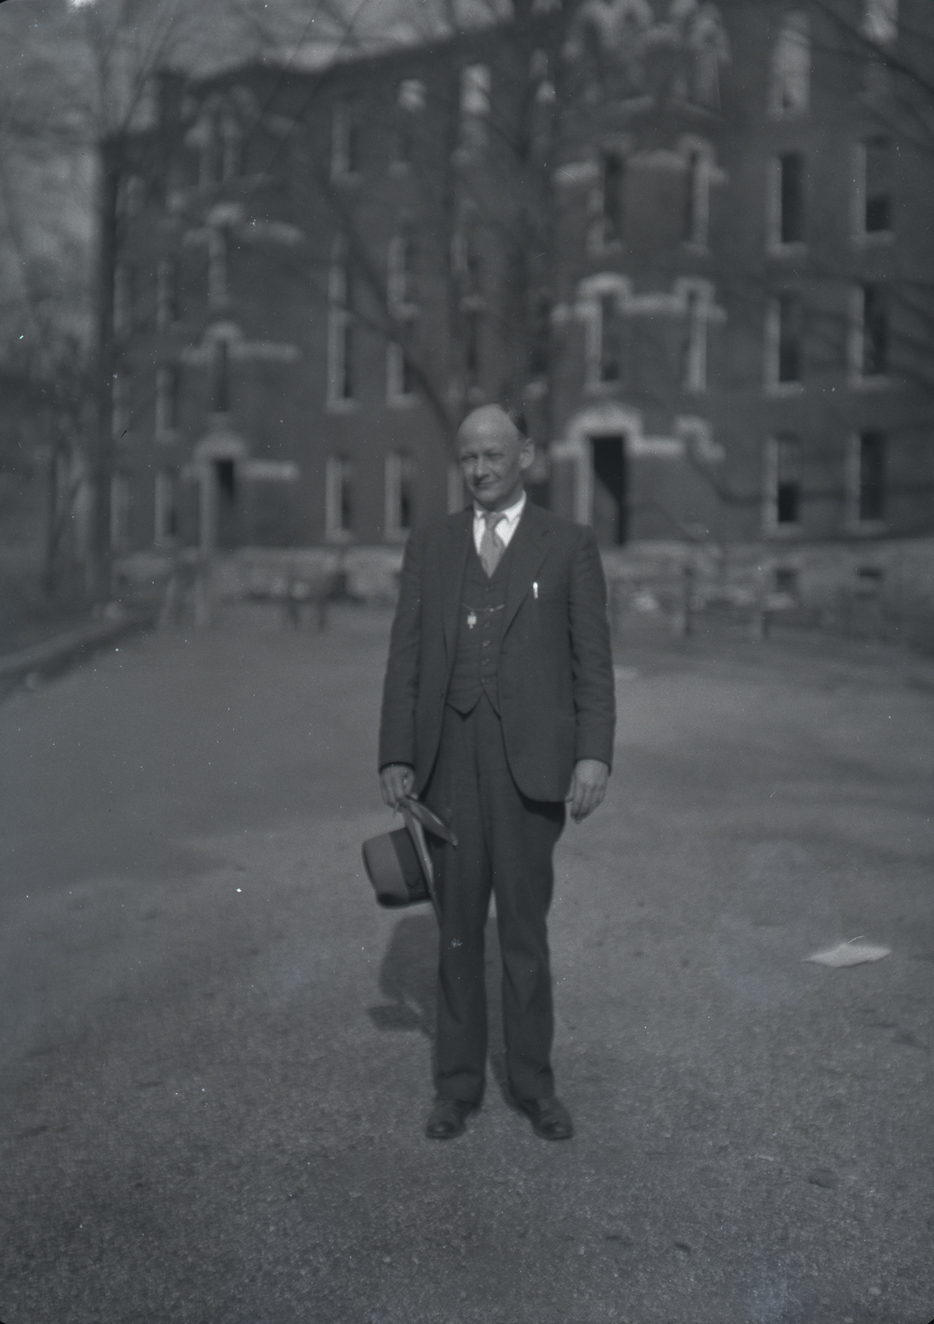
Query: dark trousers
[[505, 845]]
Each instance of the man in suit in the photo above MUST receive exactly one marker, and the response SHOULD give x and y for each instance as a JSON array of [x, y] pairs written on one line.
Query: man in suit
[[498, 711]]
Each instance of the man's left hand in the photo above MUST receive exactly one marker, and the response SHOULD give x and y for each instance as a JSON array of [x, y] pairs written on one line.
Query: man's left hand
[[588, 787]]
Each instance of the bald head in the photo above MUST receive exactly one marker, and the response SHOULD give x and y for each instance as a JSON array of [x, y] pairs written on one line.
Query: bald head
[[489, 420], [494, 457]]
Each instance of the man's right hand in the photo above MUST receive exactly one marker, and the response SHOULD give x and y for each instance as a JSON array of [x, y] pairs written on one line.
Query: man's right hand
[[396, 781]]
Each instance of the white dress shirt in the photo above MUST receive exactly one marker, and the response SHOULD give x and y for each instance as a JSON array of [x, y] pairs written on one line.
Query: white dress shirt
[[508, 521]]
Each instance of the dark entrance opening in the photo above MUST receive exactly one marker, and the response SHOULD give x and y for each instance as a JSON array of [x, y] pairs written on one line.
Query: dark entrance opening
[[227, 523], [610, 490]]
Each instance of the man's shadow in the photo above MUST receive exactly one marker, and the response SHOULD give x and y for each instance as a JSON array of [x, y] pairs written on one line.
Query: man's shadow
[[407, 982]]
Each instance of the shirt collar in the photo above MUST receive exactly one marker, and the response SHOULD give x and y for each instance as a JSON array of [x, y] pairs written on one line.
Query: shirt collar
[[510, 514]]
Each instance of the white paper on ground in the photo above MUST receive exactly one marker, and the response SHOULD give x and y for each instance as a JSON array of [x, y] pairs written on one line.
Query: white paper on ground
[[850, 953]]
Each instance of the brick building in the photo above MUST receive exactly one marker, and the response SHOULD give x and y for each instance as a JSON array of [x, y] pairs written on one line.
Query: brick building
[[688, 247]]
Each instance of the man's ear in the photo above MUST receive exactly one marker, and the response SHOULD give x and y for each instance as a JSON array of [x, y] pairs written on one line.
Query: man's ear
[[527, 454]]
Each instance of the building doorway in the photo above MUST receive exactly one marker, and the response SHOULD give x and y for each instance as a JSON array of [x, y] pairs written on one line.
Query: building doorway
[[610, 489]]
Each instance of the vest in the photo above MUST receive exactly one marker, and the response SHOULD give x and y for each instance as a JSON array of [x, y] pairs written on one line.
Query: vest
[[479, 633]]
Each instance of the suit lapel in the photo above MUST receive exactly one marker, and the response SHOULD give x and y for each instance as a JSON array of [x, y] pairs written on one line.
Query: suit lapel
[[453, 565], [530, 545]]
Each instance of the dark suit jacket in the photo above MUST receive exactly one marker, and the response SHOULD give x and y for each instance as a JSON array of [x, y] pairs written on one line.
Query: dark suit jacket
[[556, 688]]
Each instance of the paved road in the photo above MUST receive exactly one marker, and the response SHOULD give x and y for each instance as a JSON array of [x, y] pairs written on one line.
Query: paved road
[[215, 1062]]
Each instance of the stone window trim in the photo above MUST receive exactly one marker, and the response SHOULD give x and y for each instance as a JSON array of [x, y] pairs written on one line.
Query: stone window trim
[[694, 374], [476, 90], [880, 21], [701, 170], [411, 96]]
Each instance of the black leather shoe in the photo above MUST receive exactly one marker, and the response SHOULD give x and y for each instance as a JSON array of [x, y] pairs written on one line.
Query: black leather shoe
[[549, 1117], [448, 1118]]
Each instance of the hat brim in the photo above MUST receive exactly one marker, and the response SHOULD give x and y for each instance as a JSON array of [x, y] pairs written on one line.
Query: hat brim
[[393, 867]]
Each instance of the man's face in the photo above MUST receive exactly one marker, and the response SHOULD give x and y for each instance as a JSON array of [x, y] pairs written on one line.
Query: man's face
[[493, 458]]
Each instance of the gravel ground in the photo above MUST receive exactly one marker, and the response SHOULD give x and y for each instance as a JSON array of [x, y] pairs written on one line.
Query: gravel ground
[[215, 1050]]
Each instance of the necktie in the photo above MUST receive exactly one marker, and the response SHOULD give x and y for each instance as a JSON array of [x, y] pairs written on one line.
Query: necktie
[[491, 544]]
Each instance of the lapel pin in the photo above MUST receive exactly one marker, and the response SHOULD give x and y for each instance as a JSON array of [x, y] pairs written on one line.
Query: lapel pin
[[535, 590]]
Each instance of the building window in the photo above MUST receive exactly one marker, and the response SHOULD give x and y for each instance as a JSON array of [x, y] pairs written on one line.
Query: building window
[[694, 361], [472, 348], [339, 497], [612, 197], [400, 282], [468, 263], [540, 337], [345, 141], [166, 399], [231, 148], [873, 200], [790, 86], [124, 298], [611, 340], [868, 485], [784, 341], [783, 482], [120, 494], [400, 378], [786, 200], [411, 100], [341, 332], [220, 377], [167, 293], [120, 406], [880, 21], [697, 199], [475, 89], [166, 521], [400, 494], [869, 332], [218, 260], [210, 158]]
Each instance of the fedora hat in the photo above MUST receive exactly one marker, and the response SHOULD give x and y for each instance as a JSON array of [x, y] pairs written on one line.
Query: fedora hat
[[398, 863]]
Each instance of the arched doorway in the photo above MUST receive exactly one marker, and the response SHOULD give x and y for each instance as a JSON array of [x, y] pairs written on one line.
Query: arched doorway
[[610, 467], [218, 458], [595, 455]]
